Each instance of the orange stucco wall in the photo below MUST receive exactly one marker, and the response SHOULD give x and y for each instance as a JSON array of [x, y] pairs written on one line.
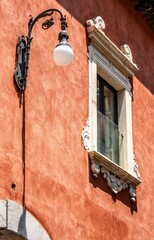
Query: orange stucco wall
[[40, 141]]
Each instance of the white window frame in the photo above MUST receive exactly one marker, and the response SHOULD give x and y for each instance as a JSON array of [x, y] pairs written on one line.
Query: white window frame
[[108, 61], [98, 66]]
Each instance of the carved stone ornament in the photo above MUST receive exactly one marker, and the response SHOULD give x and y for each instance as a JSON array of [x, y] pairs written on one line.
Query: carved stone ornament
[[132, 192], [121, 59], [136, 168], [115, 183], [98, 22], [85, 135], [127, 52], [95, 168]]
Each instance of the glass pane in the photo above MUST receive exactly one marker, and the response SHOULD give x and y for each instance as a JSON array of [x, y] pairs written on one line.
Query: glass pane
[[98, 96], [107, 138], [108, 103], [106, 100]]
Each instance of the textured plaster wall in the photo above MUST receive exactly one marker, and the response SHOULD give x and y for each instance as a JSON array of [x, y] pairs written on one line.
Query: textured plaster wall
[[40, 146]]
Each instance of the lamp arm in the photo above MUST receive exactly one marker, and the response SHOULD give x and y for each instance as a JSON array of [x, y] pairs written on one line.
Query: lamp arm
[[23, 46], [49, 22]]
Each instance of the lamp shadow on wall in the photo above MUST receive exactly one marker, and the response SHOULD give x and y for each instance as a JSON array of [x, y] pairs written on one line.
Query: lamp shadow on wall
[[122, 196], [22, 229], [22, 221], [21, 97], [23, 147]]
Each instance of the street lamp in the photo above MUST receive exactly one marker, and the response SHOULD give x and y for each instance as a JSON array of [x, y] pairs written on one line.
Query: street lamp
[[62, 54]]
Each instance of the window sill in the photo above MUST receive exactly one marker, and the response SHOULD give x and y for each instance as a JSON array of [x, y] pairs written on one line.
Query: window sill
[[116, 177], [115, 169]]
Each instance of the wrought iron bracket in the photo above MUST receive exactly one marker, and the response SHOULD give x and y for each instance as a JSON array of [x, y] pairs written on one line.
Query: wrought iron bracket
[[20, 72], [24, 43]]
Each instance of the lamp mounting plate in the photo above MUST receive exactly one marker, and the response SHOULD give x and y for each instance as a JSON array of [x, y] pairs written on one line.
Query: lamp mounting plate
[[20, 72]]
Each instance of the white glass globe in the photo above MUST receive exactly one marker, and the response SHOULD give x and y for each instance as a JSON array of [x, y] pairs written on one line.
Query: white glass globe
[[63, 55]]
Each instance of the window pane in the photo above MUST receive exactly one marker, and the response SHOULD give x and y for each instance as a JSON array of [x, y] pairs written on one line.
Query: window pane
[[106, 99], [98, 95], [109, 103], [107, 130], [107, 138]]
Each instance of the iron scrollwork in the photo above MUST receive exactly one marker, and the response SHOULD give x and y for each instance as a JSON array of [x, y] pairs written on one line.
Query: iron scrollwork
[[20, 71], [24, 43]]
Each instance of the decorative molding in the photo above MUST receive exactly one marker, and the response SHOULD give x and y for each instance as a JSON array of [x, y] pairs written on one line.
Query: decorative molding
[[132, 193], [85, 135], [98, 22], [95, 168], [107, 48], [116, 184], [103, 61], [127, 52], [109, 165], [136, 168]]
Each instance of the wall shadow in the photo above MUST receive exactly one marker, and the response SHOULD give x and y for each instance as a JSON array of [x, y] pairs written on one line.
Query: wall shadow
[[23, 147], [84, 10], [22, 224], [122, 196], [22, 221]]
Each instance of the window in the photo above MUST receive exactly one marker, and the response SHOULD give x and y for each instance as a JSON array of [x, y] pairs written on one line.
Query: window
[[110, 145], [110, 113]]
